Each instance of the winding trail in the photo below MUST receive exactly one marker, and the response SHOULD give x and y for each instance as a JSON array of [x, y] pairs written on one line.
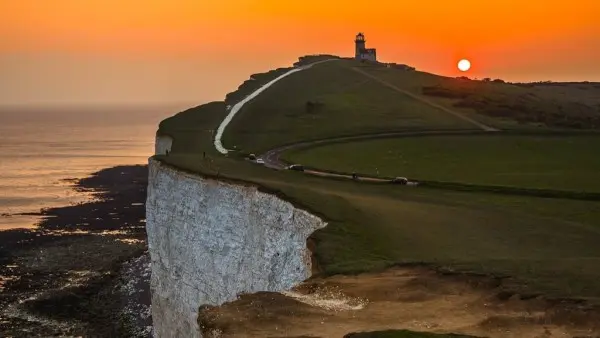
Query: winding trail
[[276, 164], [236, 108], [272, 157]]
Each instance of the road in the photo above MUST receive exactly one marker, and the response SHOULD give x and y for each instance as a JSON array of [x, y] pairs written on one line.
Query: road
[[272, 159]]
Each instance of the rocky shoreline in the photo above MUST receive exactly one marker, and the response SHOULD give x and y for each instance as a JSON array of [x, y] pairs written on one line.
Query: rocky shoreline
[[84, 270]]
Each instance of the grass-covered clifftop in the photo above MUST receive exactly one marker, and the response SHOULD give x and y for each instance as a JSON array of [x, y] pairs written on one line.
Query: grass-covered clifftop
[[537, 245], [554, 161], [330, 100]]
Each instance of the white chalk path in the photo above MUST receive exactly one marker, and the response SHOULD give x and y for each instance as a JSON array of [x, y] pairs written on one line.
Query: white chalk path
[[239, 105]]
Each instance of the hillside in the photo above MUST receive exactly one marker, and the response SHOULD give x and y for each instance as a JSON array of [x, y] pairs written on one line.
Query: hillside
[[347, 98], [502, 228], [331, 100], [546, 104]]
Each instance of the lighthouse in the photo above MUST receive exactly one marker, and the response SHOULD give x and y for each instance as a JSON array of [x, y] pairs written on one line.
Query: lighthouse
[[362, 53]]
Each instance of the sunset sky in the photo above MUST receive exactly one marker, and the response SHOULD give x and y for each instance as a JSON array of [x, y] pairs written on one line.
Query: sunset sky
[[159, 51]]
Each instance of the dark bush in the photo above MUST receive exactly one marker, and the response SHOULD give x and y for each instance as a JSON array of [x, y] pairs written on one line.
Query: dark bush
[[443, 92], [524, 108], [313, 106]]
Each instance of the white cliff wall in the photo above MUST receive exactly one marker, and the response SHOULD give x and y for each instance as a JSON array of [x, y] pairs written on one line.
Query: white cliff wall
[[162, 144], [210, 241]]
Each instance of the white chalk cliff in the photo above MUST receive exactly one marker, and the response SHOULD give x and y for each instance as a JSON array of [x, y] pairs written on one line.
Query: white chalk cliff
[[211, 240]]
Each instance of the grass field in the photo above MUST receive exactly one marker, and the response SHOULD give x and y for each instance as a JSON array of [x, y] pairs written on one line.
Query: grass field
[[505, 105], [549, 246], [544, 162], [192, 130], [327, 100]]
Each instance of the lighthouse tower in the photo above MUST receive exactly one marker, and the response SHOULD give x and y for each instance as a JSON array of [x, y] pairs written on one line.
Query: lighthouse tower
[[360, 44], [361, 52]]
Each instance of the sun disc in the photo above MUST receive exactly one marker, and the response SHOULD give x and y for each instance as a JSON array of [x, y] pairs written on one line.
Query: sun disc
[[464, 65]]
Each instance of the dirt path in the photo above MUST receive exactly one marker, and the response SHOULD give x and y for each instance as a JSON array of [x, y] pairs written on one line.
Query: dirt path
[[236, 108], [424, 100], [400, 298]]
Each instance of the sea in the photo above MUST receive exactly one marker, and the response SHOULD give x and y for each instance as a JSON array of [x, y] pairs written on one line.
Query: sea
[[42, 151]]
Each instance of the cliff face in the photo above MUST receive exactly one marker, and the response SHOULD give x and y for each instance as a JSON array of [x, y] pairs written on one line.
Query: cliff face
[[210, 241]]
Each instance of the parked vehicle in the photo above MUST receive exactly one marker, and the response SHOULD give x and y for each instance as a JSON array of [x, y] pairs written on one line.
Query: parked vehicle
[[260, 161], [400, 180], [296, 167]]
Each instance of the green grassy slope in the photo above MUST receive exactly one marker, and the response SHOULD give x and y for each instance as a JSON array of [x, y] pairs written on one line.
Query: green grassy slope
[[548, 245], [192, 130], [504, 105], [326, 100], [544, 162]]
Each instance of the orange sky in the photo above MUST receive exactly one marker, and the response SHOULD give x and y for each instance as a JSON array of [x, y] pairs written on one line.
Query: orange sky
[[114, 51]]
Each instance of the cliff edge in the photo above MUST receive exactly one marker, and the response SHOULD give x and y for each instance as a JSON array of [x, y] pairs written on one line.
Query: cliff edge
[[210, 241]]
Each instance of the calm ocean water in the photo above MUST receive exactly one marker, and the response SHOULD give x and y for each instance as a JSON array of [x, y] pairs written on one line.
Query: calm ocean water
[[40, 148]]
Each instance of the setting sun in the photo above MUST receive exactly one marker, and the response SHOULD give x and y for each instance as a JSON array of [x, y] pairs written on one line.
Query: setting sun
[[464, 65]]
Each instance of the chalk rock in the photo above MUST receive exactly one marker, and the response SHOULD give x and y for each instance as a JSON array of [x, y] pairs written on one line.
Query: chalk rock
[[210, 241]]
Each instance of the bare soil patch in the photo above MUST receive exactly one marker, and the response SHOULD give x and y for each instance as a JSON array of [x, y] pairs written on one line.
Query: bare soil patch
[[410, 298]]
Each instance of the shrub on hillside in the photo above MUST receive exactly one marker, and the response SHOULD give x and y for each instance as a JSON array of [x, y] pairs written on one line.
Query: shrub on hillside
[[525, 108], [313, 106], [401, 67], [440, 91], [253, 83], [307, 59]]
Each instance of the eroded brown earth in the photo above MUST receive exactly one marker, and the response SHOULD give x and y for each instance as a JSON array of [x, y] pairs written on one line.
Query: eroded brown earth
[[400, 298]]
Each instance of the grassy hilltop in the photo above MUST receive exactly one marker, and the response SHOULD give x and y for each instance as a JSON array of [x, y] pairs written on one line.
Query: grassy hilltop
[[330, 100], [546, 140]]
